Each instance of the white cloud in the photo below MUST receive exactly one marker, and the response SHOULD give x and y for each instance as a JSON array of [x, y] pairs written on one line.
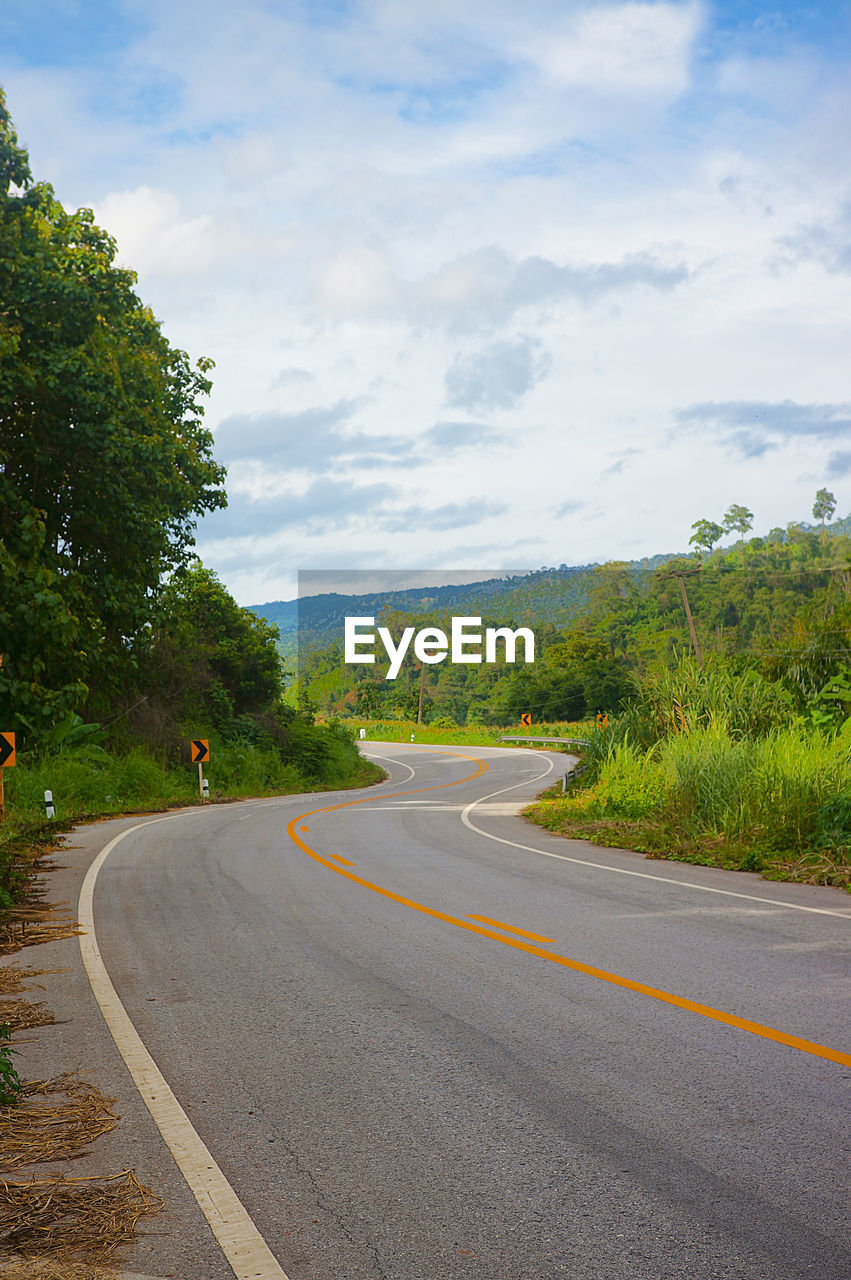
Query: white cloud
[[152, 234], [365, 211], [356, 281], [620, 49]]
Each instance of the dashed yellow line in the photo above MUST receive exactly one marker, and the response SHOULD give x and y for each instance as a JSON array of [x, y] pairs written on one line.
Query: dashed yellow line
[[512, 928]]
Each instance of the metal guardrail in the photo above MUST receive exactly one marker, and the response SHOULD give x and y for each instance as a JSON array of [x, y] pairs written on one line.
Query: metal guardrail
[[568, 742], [571, 776]]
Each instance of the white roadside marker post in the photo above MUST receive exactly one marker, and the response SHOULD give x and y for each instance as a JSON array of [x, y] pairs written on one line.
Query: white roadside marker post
[[48, 803]]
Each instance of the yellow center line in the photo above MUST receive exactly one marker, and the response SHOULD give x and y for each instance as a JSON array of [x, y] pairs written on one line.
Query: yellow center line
[[344, 861], [512, 928], [628, 984]]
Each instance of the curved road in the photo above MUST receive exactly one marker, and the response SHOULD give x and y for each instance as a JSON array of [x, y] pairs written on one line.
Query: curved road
[[425, 1040]]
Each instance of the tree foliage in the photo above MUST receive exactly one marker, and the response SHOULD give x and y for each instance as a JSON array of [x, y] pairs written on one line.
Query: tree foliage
[[824, 507], [737, 519], [104, 461], [706, 534], [205, 656], [779, 606]]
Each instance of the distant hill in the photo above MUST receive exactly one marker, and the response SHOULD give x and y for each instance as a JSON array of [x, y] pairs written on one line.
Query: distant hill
[[596, 627], [547, 594]]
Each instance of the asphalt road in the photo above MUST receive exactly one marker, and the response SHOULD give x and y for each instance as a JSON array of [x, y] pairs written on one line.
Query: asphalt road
[[395, 1089]]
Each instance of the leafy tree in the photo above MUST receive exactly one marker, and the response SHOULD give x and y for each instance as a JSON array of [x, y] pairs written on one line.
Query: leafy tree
[[706, 534], [207, 656], [369, 699], [32, 606], [103, 456], [738, 519], [823, 508]]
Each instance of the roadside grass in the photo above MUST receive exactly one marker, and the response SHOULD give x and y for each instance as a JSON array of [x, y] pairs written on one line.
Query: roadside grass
[[779, 804], [477, 735]]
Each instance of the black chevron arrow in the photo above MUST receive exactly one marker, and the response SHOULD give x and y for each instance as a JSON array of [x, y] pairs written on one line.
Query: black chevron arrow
[[200, 752], [7, 749]]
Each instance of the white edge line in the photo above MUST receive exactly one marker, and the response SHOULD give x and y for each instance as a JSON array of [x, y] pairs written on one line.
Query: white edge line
[[245, 1249], [375, 756], [623, 871]]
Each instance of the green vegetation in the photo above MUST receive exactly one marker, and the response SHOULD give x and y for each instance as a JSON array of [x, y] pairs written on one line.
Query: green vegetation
[[774, 605], [10, 1081], [718, 768], [104, 462], [448, 734]]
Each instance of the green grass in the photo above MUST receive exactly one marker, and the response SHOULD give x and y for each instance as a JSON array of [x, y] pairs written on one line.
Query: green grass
[[780, 804], [469, 736]]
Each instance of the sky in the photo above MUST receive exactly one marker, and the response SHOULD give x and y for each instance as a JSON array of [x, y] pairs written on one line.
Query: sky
[[485, 283]]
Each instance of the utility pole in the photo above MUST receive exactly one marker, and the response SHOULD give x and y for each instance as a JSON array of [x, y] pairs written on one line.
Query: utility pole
[[682, 574], [422, 683]]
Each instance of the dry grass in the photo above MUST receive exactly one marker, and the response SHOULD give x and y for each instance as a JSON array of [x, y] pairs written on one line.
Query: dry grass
[[20, 1268], [21, 1015], [33, 919], [17, 1013], [33, 1131], [78, 1222], [27, 925], [13, 977], [57, 1228]]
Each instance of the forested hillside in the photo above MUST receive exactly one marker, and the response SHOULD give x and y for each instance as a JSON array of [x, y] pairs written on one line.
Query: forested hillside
[[778, 605]]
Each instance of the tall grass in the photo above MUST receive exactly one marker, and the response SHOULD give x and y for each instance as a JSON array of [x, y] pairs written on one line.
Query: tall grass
[[671, 702], [89, 780], [783, 796], [703, 762], [772, 788]]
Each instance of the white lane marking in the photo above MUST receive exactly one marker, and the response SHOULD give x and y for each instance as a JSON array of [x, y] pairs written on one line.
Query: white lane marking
[[245, 1249], [509, 807], [642, 875], [373, 755]]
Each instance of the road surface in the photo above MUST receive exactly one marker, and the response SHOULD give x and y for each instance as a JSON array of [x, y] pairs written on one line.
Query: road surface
[[425, 1040]]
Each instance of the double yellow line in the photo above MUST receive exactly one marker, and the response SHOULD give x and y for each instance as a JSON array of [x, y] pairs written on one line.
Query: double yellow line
[[519, 944]]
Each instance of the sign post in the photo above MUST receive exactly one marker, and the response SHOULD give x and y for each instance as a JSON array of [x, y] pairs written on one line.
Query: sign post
[[7, 761], [526, 721], [200, 752]]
